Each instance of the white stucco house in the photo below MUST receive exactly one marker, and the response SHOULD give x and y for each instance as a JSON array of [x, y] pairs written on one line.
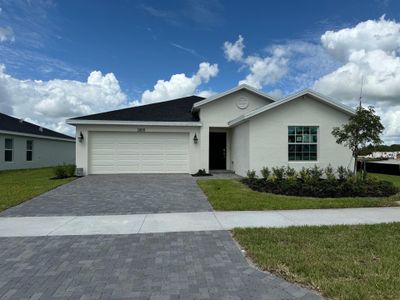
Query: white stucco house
[[238, 130], [26, 145]]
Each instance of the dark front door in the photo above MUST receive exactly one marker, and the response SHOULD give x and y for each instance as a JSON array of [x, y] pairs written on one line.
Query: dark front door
[[217, 150]]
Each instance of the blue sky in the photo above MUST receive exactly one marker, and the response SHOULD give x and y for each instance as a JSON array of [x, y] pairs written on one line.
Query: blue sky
[[134, 39], [141, 42]]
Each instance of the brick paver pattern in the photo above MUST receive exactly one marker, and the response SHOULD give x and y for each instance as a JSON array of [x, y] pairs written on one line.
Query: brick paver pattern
[[192, 265], [117, 194]]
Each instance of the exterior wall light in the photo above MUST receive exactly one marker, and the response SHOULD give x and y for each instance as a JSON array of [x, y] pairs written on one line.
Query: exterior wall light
[[195, 139], [80, 137]]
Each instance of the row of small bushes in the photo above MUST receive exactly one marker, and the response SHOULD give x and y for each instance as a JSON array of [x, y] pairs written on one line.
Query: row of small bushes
[[64, 171], [317, 182], [305, 174]]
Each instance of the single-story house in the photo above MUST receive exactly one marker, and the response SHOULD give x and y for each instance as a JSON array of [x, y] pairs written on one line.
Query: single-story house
[[26, 145], [238, 130]]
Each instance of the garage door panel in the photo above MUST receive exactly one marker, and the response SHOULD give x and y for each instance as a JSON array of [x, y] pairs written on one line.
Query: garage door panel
[[125, 159], [127, 145], [102, 170], [124, 152], [99, 147], [175, 162], [101, 158], [132, 152], [123, 164], [150, 156], [103, 151], [176, 157]]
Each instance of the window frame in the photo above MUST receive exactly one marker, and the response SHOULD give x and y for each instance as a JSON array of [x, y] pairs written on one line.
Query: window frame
[[7, 149], [303, 137], [29, 150]]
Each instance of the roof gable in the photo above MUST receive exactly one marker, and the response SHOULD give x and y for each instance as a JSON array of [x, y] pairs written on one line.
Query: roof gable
[[231, 91], [13, 125], [315, 95]]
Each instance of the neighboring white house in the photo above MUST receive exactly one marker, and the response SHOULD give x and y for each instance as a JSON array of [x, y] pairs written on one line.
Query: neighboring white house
[[239, 130], [25, 145], [387, 154]]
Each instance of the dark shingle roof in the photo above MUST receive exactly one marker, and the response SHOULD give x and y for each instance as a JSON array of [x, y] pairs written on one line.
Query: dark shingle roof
[[178, 110], [8, 123]]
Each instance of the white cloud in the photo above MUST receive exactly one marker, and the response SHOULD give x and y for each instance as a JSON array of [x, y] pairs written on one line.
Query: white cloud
[[186, 49], [390, 116], [369, 50], [264, 70], [49, 103], [370, 35], [179, 85], [6, 34], [381, 72], [206, 93], [277, 93], [234, 51]]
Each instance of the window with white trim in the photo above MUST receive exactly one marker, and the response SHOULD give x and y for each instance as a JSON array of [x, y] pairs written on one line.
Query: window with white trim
[[8, 149], [302, 143], [29, 150]]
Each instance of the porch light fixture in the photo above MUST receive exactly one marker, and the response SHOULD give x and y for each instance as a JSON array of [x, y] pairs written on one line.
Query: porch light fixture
[[195, 139], [80, 137]]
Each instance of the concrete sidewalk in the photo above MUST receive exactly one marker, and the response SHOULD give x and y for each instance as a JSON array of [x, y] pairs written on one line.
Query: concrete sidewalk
[[184, 222]]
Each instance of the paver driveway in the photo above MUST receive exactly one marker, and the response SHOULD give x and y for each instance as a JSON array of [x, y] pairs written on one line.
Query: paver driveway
[[117, 194], [175, 265], [194, 265]]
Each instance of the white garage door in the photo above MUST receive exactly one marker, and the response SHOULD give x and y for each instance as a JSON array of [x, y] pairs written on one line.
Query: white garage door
[[128, 152]]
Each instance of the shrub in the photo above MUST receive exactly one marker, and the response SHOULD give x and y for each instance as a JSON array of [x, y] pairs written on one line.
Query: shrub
[[329, 173], [265, 173], [310, 184], [70, 170], [304, 174], [64, 171], [344, 173], [278, 173], [60, 172], [201, 172], [290, 172], [251, 174], [315, 173]]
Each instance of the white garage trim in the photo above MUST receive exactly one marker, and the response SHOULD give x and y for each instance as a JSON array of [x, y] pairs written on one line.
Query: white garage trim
[[134, 152]]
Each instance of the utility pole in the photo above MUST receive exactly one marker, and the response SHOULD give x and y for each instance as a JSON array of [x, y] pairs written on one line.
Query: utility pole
[[363, 163], [361, 89]]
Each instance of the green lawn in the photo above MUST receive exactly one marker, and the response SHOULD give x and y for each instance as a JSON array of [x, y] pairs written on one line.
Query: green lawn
[[230, 194], [21, 185], [395, 179], [342, 262]]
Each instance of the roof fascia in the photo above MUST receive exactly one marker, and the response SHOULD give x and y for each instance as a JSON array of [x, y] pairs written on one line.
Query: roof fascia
[[137, 123], [322, 98]]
